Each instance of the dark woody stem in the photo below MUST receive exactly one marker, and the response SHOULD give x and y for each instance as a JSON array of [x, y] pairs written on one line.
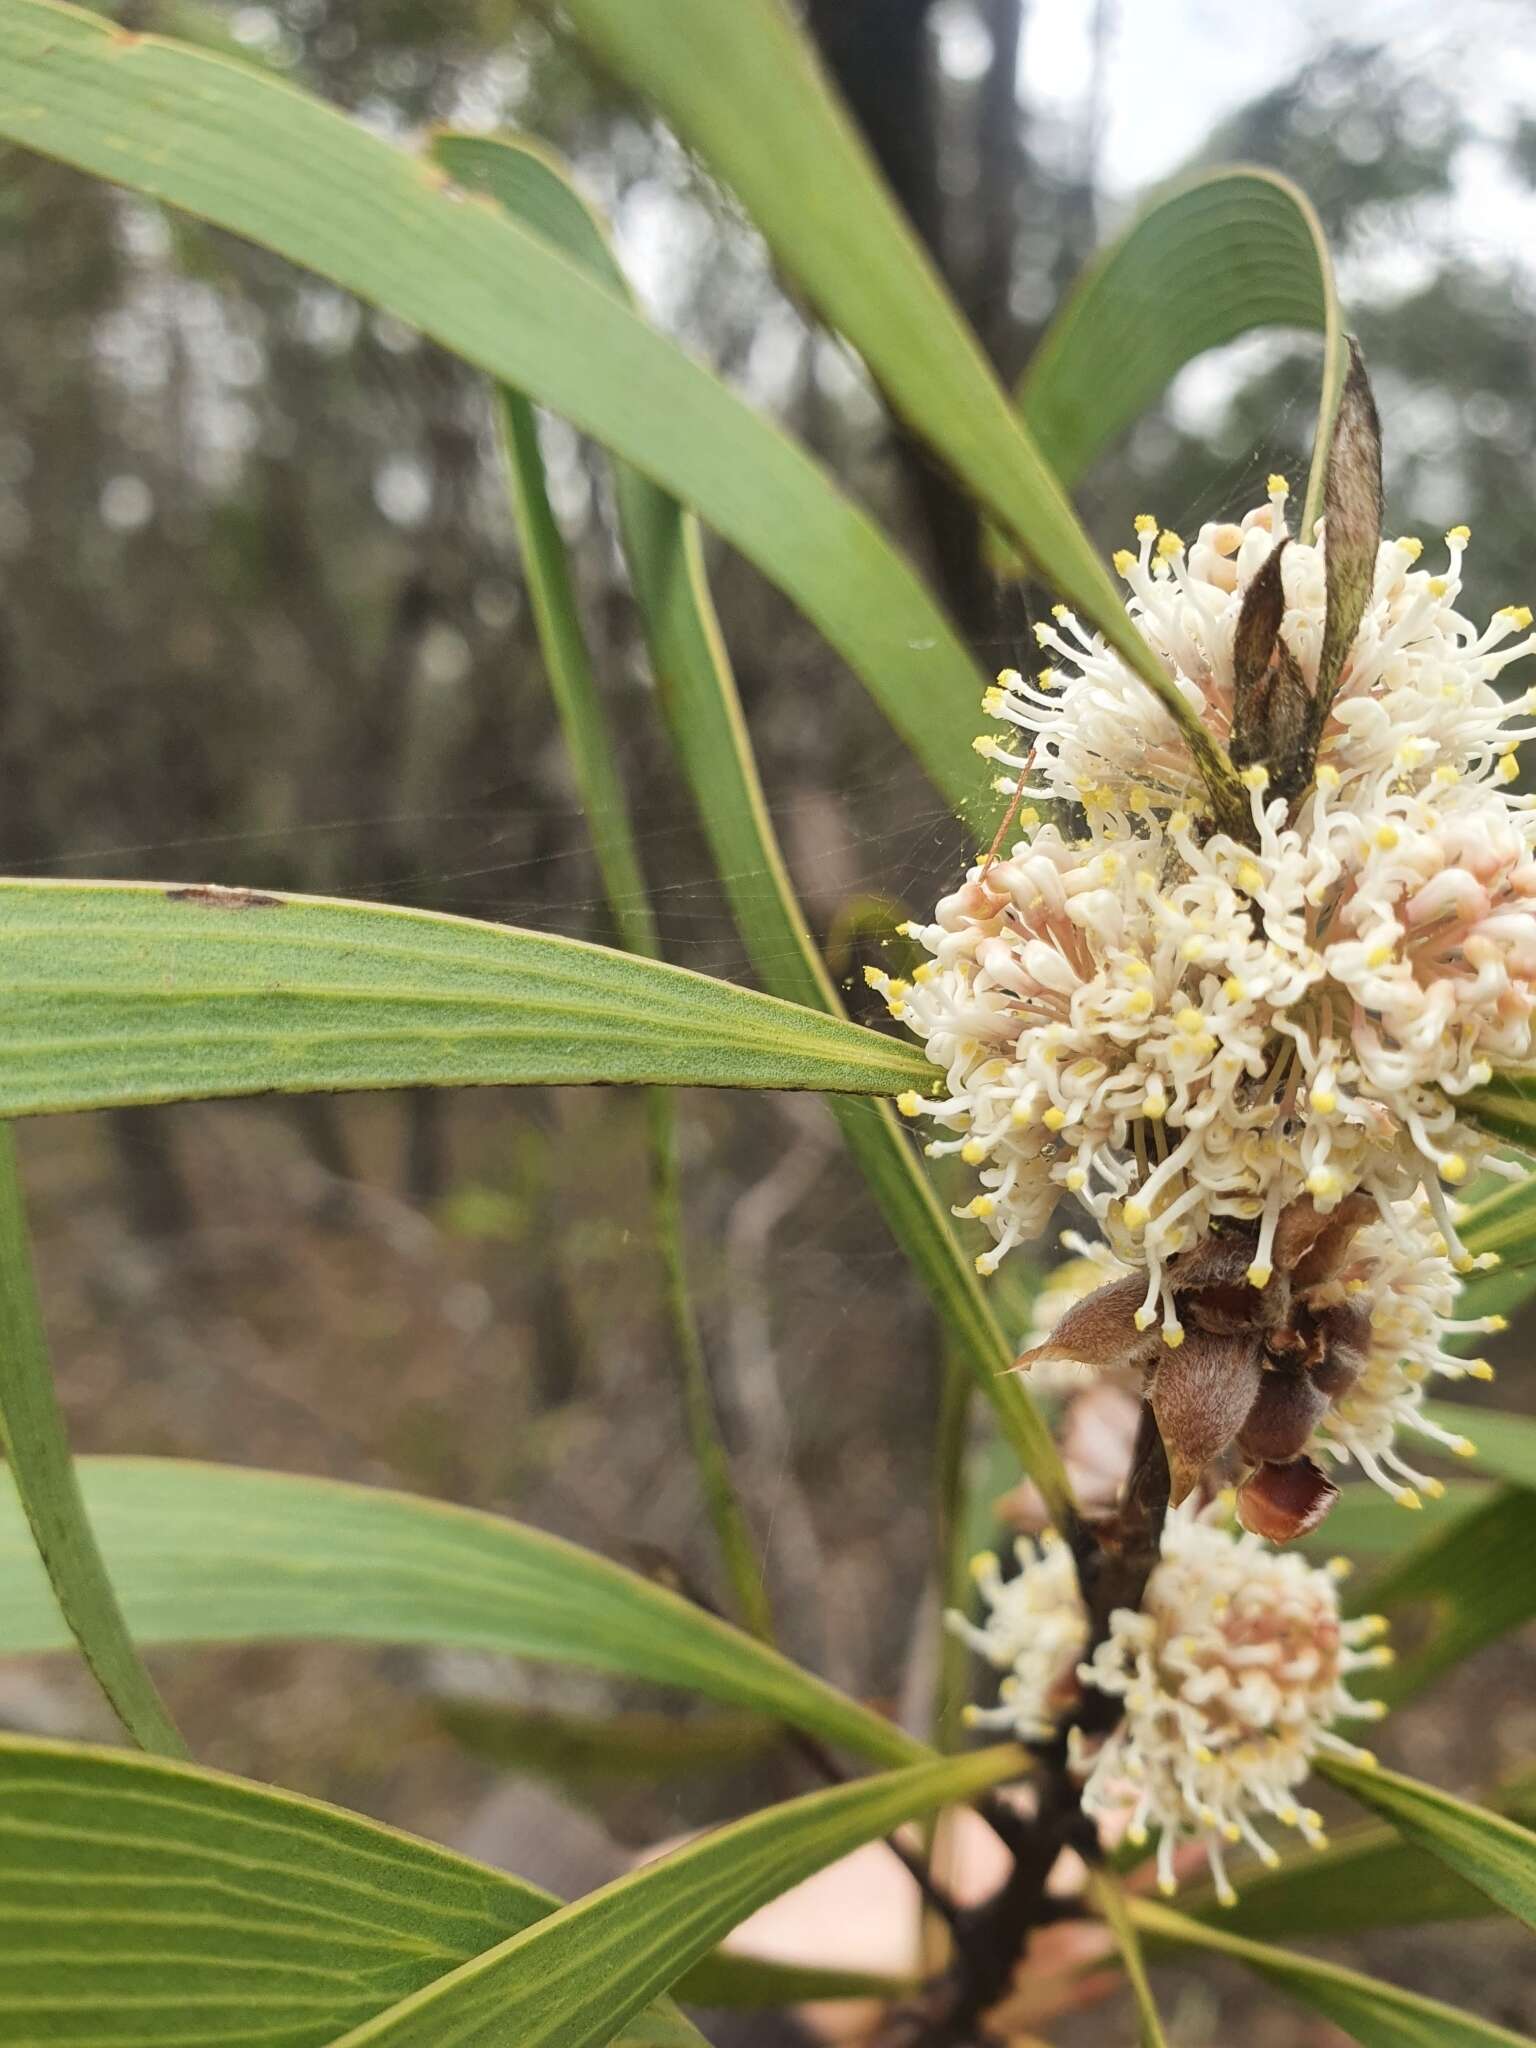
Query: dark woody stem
[[1114, 1560]]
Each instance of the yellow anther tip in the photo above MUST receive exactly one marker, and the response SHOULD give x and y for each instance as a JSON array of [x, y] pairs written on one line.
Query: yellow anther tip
[[1173, 1336], [909, 1102], [973, 1152], [1407, 1498], [1277, 486], [1124, 561], [1260, 1276], [1136, 1215], [1453, 1167]]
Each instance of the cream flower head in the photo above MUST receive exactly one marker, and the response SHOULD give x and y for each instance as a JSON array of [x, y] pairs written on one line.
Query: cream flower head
[[1176, 1027], [1232, 1675]]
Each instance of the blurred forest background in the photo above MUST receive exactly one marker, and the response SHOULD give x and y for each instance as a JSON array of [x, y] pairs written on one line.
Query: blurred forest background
[[262, 621]]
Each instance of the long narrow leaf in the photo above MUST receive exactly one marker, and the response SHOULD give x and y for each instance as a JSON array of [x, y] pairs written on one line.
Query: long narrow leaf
[[580, 709], [43, 1474], [119, 992], [1106, 1894], [214, 1554], [251, 154], [1489, 1850], [1375, 2014], [1468, 1573], [151, 1902], [808, 182], [1216, 255], [1505, 1445], [1367, 1877], [575, 1979], [1507, 1108], [704, 715]]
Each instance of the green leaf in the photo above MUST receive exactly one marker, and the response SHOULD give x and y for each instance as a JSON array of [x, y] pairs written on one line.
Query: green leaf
[[1489, 1850], [1375, 2014], [1367, 1877], [704, 716], [253, 155], [1105, 1892], [1506, 1107], [129, 992], [1210, 258], [1503, 1222], [158, 1905], [215, 1554], [1463, 1571], [575, 1978], [1505, 1445], [806, 178], [1367, 1522], [43, 1475], [582, 1750], [583, 721]]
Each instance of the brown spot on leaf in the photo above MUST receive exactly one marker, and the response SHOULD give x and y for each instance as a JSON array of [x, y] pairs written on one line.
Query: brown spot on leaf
[[213, 897]]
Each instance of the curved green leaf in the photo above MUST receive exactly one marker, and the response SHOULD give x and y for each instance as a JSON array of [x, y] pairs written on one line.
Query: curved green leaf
[[808, 182], [251, 154], [37, 1452], [150, 1904], [1504, 1222], [1489, 1850], [1505, 1445], [1367, 1877], [579, 706], [575, 1978], [215, 1554], [1507, 1108], [1105, 1892], [120, 992], [704, 716], [1463, 1572], [1212, 257], [1375, 2014]]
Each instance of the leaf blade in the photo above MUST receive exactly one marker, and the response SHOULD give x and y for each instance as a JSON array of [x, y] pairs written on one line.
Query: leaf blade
[[212, 1553], [1489, 1850], [805, 176], [151, 1900], [300, 993], [699, 699], [43, 1474], [575, 1977], [249, 152], [1182, 278], [1375, 2014], [584, 723]]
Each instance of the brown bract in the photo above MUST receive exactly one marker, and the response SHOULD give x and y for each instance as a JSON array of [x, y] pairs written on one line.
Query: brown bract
[[1257, 1368]]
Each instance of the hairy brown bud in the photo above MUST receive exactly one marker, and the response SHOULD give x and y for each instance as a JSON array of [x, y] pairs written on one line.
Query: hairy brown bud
[[1282, 1502], [1289, 1406], [1201, 1395]]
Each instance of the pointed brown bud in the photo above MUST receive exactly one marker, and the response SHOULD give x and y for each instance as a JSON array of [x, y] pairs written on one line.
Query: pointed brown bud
[[1201, 1395], [1314, 1246], [1282, 1502], [1289, 1407], [1352, 511], [1099, 1330], [1270, 704]]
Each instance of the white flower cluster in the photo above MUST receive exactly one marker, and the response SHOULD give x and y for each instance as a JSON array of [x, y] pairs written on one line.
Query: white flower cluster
[[1398, 1266], [1395, 1265], [1175, 1027], [1232, 1675]]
